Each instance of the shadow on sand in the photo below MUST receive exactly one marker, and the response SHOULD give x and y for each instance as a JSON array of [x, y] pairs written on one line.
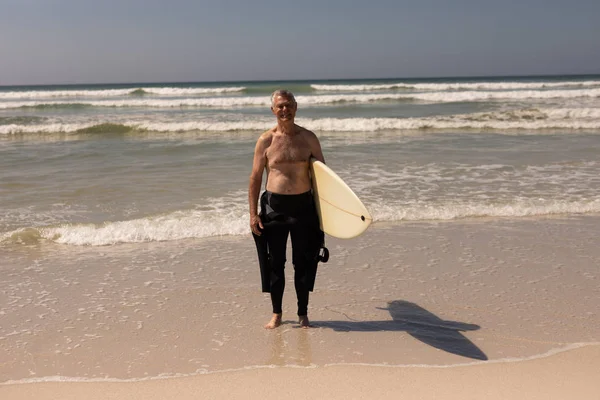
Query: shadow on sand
[[420, 324]]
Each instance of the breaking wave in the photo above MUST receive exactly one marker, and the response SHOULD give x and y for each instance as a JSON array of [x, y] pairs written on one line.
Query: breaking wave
[[532, 119], [519, 208], [245, 101], [203, 223], [161, 91], [456, 86]]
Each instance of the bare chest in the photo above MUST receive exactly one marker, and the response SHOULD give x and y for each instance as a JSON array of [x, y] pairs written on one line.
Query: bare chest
[[284, 150]]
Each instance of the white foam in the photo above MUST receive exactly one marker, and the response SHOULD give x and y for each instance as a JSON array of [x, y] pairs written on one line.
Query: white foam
[[232, 219], [244, 101], [222, 216], [446, 97], [147, 230], [447, 191], [438, 123], [524, 119], [456, 86], [175, 91], [163, 91], [216, 102], [42, 94], [361, 88], [394, 212], [519, 119], [216, 126], [469, 96]]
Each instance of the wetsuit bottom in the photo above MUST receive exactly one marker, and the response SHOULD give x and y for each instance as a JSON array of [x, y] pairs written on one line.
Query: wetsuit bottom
[[302, 225]]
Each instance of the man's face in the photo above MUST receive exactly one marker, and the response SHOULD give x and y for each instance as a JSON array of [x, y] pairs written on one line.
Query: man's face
[[284, 108]]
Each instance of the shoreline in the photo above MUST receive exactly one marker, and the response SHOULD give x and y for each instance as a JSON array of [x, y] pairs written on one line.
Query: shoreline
[[400, 300], [66, 379], [568, 374]]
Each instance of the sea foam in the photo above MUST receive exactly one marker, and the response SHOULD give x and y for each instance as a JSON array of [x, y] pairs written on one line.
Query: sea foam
[[456, 86], [531, 119], [162, 91], [264, 101], [234, 220], [383, 211]]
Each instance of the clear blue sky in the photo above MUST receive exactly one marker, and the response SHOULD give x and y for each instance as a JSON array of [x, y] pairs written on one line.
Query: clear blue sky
[[92, 41]]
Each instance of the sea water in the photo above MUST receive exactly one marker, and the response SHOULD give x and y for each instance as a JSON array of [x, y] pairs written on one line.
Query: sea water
[[107, 164]]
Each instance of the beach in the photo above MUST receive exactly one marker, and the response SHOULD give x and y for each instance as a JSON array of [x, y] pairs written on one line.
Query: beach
[[127, 269], [457, 308], [562, 376]]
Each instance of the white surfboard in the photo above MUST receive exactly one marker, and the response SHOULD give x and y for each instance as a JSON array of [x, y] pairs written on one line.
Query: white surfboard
[[341, 212]]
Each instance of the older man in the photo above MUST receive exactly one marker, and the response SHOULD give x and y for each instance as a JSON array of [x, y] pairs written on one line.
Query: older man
[[287, 206]]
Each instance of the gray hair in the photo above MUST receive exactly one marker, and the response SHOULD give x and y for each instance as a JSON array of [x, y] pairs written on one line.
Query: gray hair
[[282, 93]]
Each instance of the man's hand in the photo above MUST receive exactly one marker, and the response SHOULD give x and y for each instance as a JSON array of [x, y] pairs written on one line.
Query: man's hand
[[256, 225]]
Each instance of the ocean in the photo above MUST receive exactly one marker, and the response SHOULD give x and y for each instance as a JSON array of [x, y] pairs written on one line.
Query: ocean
[[132, 176], [106, 164]]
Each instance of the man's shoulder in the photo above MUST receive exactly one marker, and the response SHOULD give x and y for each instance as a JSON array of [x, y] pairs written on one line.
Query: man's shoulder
[[305, 132], [266, 136], [308, 135]]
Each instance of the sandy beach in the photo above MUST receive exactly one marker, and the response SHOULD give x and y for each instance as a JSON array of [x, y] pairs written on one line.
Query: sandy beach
[[567, 375], [487, 309], [132, 140]]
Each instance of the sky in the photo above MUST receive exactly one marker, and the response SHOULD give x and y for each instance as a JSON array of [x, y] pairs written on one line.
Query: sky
[[120, 41]]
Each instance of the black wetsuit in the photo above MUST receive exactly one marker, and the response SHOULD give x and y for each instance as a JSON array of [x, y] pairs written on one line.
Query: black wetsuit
[[294, 215]]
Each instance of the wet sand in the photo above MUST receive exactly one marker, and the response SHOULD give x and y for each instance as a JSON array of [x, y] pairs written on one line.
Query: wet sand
[[492, 300], [567, 375]]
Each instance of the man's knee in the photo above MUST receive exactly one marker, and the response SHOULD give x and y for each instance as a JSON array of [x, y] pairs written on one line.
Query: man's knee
[[303, 260], [277, 262]]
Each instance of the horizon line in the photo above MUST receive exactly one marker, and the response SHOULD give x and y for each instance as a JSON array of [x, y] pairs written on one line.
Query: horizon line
[[176, 82]]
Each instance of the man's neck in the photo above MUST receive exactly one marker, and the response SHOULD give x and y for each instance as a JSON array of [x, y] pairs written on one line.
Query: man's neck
[[286, 127]]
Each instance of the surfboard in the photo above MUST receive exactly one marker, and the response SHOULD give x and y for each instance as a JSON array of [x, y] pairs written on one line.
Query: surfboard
[[341, 213]]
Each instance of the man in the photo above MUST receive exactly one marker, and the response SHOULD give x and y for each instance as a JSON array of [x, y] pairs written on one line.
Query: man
[[287, 206]]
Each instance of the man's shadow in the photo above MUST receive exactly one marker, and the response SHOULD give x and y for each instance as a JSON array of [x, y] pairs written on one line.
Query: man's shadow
[[419, 323]]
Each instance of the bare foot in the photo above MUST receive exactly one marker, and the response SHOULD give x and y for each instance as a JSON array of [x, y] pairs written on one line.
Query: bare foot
[[274, 322], [303, 321]]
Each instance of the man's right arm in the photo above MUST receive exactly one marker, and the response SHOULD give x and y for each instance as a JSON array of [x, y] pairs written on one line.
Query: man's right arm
[[258, 166]]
